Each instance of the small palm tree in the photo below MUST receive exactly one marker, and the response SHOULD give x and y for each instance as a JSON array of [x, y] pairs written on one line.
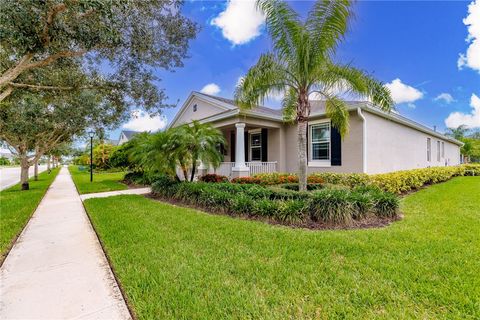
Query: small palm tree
[[301, 66], [201, 142]]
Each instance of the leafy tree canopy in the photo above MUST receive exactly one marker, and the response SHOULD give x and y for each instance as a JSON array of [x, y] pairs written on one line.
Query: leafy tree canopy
[[116, 42]]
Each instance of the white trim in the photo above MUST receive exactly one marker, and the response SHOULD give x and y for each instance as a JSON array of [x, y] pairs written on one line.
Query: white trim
[[249, 144], [319, 163], [201, 97], [364, 140]]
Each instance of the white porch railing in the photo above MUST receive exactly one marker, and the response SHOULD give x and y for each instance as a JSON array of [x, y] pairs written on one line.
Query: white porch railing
[[262, 167], [225, 168]]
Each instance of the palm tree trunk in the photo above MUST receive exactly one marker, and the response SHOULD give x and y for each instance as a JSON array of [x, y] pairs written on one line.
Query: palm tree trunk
[[302, 154], [194, 166], [48, 164]]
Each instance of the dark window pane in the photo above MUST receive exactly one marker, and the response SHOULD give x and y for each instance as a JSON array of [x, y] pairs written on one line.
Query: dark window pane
[[256, 154], [255, 139], [320, 151]]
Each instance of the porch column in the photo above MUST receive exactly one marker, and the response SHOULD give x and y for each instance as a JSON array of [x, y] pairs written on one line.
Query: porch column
[[240, 169]]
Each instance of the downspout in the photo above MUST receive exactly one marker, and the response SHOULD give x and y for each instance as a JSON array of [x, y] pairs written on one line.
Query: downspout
[[364, 139]]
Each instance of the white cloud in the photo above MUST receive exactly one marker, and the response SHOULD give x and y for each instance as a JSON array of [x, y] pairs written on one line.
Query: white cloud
[[471, 58], [402, 93], [470, 120], [445, 97], [240, 22], [141, 121], [211, 88]]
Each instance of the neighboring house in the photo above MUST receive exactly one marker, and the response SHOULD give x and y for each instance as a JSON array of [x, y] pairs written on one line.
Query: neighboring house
[[5, 151], [125, 136], [260, 141]]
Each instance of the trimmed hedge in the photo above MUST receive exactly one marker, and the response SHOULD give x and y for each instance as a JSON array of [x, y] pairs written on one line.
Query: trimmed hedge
[[212, 177], [333, 206], [395, 182]]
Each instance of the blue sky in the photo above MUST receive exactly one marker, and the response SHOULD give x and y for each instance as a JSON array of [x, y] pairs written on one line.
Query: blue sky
[[414, 47]]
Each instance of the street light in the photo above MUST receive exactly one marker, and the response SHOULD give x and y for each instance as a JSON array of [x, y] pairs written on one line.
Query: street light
[[91, 133]]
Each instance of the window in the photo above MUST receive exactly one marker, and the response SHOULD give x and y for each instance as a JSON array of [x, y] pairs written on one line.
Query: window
[[438, 150], [256, 146], [443, 149], [429, 149], [320, 142], [194, 108]]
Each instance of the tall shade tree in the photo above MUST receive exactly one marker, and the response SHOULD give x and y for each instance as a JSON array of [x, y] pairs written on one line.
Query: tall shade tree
[[117, 42], [202, 142], [34, 125], [301, 65]]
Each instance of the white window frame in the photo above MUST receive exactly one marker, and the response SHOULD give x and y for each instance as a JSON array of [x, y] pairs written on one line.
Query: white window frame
[[319, 163], [438, 151], [429, 149], [250, 147]]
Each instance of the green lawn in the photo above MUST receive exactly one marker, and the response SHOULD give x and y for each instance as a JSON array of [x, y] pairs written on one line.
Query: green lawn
[[177, 263], [17, 206], [105, 181]]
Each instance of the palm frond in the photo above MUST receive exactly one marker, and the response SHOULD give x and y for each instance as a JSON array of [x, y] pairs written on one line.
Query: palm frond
[[327, 24], [358, 82], [267, 76], [337, 111], [289, 105], [283, 25]]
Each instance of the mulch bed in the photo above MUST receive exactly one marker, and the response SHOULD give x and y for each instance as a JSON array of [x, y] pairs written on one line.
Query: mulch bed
[[367, 223]]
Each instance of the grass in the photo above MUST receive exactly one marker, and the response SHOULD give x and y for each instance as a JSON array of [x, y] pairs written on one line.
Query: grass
[[102, 182], [16, 207], [179, 263]]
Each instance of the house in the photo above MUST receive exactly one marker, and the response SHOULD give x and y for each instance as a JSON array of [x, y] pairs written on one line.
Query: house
[[126, 135], [259, 141]]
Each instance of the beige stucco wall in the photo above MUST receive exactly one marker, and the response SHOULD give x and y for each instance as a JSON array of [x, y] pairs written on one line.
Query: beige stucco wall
[[392, 147], [204, 110], [351, 149]]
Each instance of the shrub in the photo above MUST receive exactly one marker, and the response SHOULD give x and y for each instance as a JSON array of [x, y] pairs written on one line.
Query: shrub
[[294, 186], [242, 204], [385, 204], [134, 178], [165, 186], [362, 204], [338, 205], [331, 206], [284, 194], [246, 180], [291, 211], [211, 177], [266, 207]]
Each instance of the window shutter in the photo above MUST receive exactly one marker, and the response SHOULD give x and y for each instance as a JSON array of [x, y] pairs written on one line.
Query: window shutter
[[246, 144], [336, 147], [232, 146], [264, 145]]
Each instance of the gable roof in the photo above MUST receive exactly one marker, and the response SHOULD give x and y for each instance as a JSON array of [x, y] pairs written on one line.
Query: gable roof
[[317, 109], [129, 133]]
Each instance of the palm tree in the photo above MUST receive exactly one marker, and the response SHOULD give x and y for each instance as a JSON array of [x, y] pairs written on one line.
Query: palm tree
[[201, 142], [301, 66], [458, 132]]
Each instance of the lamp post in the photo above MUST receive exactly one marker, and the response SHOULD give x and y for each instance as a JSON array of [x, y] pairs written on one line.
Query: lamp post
[[91, 134]]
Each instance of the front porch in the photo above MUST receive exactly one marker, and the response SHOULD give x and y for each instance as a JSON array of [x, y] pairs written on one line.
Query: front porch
[[251, 149]]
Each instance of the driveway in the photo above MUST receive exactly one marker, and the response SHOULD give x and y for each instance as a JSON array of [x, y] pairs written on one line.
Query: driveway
[[11, 176]]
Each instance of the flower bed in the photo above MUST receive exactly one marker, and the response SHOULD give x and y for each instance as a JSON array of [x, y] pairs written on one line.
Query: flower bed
[[396, 182], [330, 206]]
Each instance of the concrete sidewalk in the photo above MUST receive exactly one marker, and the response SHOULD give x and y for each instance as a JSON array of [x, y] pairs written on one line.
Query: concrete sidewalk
[[57, 269], [138, 191]]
